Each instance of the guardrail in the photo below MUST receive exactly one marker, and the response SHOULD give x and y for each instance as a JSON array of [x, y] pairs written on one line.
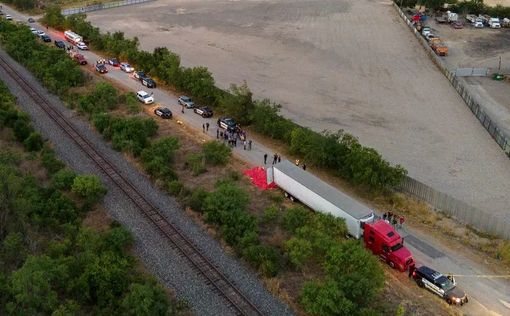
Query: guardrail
[[101, 6]]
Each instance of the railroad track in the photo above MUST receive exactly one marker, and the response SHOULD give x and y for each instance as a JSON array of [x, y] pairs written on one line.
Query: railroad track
[[239, 304]]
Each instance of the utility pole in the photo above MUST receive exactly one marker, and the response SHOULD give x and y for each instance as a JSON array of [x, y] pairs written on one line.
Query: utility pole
[[499, 67]]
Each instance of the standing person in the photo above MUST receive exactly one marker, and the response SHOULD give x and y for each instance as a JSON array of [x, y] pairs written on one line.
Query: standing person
[[402, 220], [279, 158], [218, 133], [275, 158], [249, 144], [207, 126], [384, 216], [203, 128], [394, 223], [244, 144], [265, 158], [304, 166], [182, 109], [412, 267], [390, 215], [235, 141], [297, 162]]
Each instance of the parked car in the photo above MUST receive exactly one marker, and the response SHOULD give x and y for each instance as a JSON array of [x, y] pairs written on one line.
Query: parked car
[[139, 75], [478, 24], [101, 68], [228, 123], [204, 111], [33, 30], [114, 62], [457, 25], [430, 36], [80, 59], [126, 67], [439, 284], [40, 33], [144, 97], [8, 17], [148, 82], [60, 44], [163, 112], [46, 38], [425, 30], [82, 46], [31, 20], [186, 101]]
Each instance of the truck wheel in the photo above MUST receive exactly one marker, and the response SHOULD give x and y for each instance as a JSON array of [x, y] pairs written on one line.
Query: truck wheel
[[292, 199], [391, 264], [420, 283]]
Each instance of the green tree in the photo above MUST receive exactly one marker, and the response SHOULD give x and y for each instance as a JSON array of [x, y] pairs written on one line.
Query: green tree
[[33, 142], [199, 82], [88, 187], [216, 153], [357, 271], [298, 250], [238, 103], [325, 298], [53, 17], [157, 158], [145, 299], [34, 286], [295, 218], [63, 179]]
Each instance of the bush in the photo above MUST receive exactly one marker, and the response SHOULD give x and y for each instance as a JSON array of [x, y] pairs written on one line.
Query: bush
[[175, 187], [197, 198], [238, 103], [216, 153], [104, 97], [295, 218], [88, 187], [264, 258], [271, 214], [34, 142], [157, 158], [298, 250], [50, 161], [63, 179], [131, 102], [196, 163], [325, 298]]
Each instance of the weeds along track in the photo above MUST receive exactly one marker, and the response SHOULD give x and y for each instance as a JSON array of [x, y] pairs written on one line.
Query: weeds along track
[[235, 299]]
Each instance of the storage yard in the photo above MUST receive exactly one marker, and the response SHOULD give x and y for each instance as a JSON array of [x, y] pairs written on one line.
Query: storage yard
[[330, 69]]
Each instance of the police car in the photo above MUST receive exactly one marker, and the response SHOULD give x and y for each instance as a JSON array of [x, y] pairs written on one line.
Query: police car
[[163, 112], [203, 111], [228, 123], [443, 286]]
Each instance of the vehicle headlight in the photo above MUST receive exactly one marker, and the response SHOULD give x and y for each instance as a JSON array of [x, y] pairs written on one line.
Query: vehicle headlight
[[457, 300]]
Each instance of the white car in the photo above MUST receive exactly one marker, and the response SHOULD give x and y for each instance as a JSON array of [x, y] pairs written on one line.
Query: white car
[[8, 17], [144, 97], [478, 24], [40, 33], [82, 46], [34, 31], [126, 67]]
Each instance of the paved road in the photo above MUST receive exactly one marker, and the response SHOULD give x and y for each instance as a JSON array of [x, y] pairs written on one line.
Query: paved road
[[488, 296]]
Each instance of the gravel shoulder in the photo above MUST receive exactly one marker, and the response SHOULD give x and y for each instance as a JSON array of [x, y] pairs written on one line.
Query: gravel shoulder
[[153, 250], [349, 64]]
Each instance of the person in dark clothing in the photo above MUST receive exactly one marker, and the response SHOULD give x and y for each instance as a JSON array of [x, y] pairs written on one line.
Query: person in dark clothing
[[279, 158], [275, 158], [265, 158], [203, 128], [249, 144], [304, 166], [384, 216], [207, 126], [217, 134], [411, 270]]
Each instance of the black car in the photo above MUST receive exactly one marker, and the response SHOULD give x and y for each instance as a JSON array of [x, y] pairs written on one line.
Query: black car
[[139, 75], [148, 82], [203, 111], [163, 112], [46, 38], [439, 284], [60, 44], [228, 123], [114, 62], [101, 68], [31, 20]]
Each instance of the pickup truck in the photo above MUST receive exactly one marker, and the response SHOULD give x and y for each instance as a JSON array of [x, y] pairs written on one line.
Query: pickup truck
[[80, 59], [438, 47]]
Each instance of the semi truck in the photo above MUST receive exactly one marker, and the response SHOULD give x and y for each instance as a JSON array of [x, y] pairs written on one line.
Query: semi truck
[[380, 237]]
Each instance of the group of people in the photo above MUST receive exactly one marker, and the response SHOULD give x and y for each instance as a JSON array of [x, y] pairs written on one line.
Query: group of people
[[101, 61], [394, 219], [231, 138]]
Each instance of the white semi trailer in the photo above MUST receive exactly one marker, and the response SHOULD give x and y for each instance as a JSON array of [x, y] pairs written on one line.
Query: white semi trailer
[[319, 196]]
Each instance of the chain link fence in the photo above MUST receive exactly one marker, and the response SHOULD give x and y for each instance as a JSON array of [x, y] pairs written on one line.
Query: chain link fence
[[101, 6], [481, 220]]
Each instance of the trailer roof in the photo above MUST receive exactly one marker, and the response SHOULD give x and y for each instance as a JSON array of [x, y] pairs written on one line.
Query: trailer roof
[[333, 195]]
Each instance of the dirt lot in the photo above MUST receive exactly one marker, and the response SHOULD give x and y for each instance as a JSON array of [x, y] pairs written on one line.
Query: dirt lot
[[332, 69]]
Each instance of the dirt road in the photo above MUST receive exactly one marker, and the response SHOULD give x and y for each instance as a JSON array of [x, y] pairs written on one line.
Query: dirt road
[[348, 64]]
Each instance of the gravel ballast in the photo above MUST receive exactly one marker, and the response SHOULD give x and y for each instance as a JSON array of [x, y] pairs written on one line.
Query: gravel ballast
[[152, 248]]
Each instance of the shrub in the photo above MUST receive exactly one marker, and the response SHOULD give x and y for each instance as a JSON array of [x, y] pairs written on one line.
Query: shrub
[[88, 187], [63, 179], [196, 163], [157, 158], [34, 142], [325, 298], [216, 153], [295, 218], [131, 102], [298, 250], [197, 198], [271, 214], [175, 187], [50, 161], [104, 97], [22, 129], [238, 103], [265, 258]]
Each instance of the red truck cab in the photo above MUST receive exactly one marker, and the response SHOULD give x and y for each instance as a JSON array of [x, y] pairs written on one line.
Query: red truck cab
[[384, 241], [80, 59]]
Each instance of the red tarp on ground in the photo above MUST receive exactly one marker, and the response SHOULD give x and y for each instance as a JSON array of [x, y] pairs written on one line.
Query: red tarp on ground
[[258, 177]]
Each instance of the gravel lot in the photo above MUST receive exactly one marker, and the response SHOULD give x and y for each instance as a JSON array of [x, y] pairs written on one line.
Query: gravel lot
[[348, 64], [154, 251]]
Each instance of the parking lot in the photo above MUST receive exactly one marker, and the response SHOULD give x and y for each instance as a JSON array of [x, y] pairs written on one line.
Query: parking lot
[[349, 64]]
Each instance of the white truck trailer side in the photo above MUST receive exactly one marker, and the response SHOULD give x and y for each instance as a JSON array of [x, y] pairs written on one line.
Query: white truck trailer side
[[319, 196]]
